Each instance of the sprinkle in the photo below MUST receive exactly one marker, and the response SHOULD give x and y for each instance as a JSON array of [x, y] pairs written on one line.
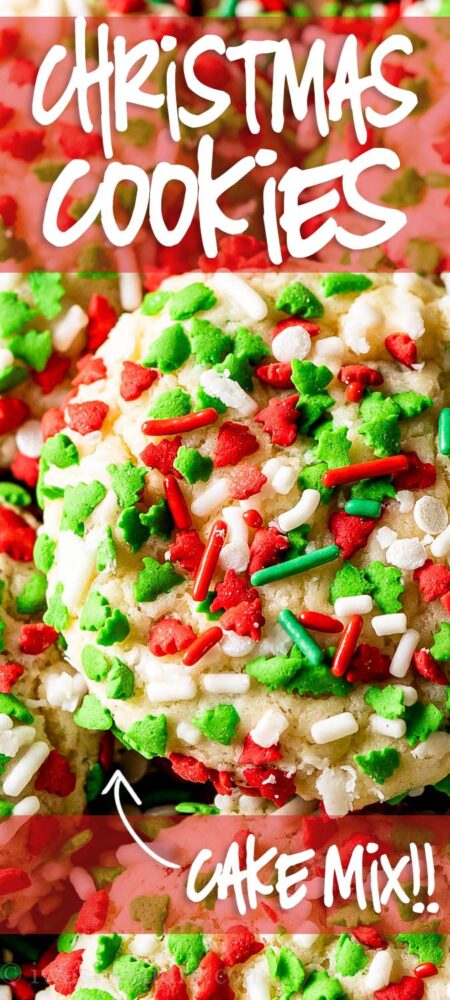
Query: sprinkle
[[176, 689], [401, 660], [209, 561], [68, 328], [29, 439], [242, 293], [21, 773], [191, 299], [211, 498], [277, 375], [379, 971], [253, 519], [360, 604], [379, 764], [130, 289], [201, 645], [444, 431], [298, 300], [292, 342], [405, 500], [219, 723], [304, 642], [347, 645], [337, 727], [425, 970], [269, 728], [13, 880], [177, 503], [366, 470], [385, 537], [389, 624], [188, 734], [392, 728], [303, 511], [319, 622], [220, 386], [440, 546], [406, 554], [291, 567], [363, 508], [169, 351], [226, 683], [430, 515], [182, 424]]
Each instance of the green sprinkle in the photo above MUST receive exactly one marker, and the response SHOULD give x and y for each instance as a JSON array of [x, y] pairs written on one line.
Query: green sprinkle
[[14, 314], [298, 539], [154, 302], [169, 351], [133, 975], [47, 290], [321, 986], [95, 612], [421, 721], [57, 614], [387, 702], [363, 508], [32, 598], [440, 649], [187, 950], [155, 579], [342, 284], [350, 957], [386, 585], [158, 519], [106, 552], [208, 343], [120, 683], [15, 494], [95, 779], [333, 448], [274, 672], [59, 450], [192, 465], [373, 489], [12, 706], [204, 607], [298, 300], [86, 994], [135, 533], [34, 347], [148, 737], [288, 969], [94, 663], [382, 434], [249, 346], [65, 942], [444, 431], [190, 300], [92, 715], [411, 404], [79, 502], [107, 947], [238, 369], [426, 947], [127, 481], [309, 378], [301, 637], [318, 681], [203, 400], [291, 567], [379, 764], [11, 376], [173, 403], [115, 629], [310, 478], [6, 808], [219, 724], [196, 809]]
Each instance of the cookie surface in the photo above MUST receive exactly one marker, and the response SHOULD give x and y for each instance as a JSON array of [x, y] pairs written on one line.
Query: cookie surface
[[124, 581]]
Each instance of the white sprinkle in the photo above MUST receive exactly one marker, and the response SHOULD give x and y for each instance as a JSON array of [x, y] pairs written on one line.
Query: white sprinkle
[[361, 320], [359, 604], [221, 386], [334, 728], [242, 293], [336, 787], [405, 500], [440, 546], [409, 694], [393, 728], [81, 555], [226, 683], [5, 723], [257, 982], [82, 882], [303, 511], [64, 691], [406, 553], [275, 641], [236, 556], [250, 805], [24, 770], [284, 479], [237, 527], [292, 342], [401, 660], [142, 945], [130, 291], [6, 993], [415, 793], [305, 940], [68, 328], [430, 515], [385, 536], [269, 728], [188, 734], [29, 439], [434, 747], [330, 349], [211, 498], [181, 689], [379, 971], [297, 807], [393, 624], [6, 358], [27, 807], [235, 645], [14, 739]]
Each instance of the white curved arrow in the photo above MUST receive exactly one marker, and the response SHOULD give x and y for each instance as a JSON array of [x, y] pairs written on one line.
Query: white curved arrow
[[117, 780]]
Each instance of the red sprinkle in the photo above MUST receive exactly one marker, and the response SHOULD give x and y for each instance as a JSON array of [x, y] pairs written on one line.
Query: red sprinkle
[[187, 550], [232, 591], [265, 548], [368, 664], [13, 412], [21, 989], [17, 537], [402, 348], [102, 318], [201, 645], [26, 469], [170, 636], [54, 373], [252, 753], [180, 425], [8, 210], [434, 580], [366, 470], [425, 970], [90, 370], [319, 622], [277, 374], [209, 560], [161, 456], [135, 379], [246, 481], [234, 442], [52, 422], [426, 666], [55, 776], [171, 986], [212, 980], [280, 419], [13, 880], [408, 988], [370, 938], [253, 519], [355, 392], [245, 619], [272, 783], [418, 476], [361, 375], [87, 417], [36, 638], [92, 915], [445, 601], [350, 531], [10, 673], [347, 645], [177, 503], [189, 768], [238, 945], [64, 972]]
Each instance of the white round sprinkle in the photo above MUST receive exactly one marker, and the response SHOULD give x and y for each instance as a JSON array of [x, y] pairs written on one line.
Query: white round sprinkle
[[233, 644], [242, 293], [269, 728], [221, 386], [379, 971], [393, 624], [292, 342], [406, 553], [226, 683], [303, 511], [235, 555], [142, 945], [330, 349], [401, 660], [24, 770], [430, 515], [405, 500], [393, 728], [440, 546], [29, 439], [211, 498], [334, 728], [6, 993], [188, 734], [360, 604], [68, 328]]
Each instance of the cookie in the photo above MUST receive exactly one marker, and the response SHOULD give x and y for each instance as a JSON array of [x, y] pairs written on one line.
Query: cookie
[[256, 453]]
